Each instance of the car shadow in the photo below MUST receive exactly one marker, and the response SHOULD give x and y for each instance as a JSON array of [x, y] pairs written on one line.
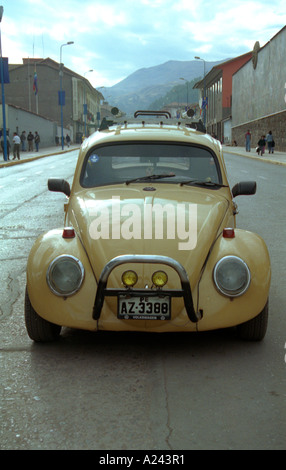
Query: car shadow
[[127, 343]]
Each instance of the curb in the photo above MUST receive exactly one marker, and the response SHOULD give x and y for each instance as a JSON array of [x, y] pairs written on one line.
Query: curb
[[254, 157], [36, 157]]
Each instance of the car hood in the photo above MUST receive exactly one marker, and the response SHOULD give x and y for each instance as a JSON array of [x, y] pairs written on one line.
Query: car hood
[[167, 220]]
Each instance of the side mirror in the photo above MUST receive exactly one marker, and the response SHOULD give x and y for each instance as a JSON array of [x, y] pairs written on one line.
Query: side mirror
[[59, 185], [244, 188]]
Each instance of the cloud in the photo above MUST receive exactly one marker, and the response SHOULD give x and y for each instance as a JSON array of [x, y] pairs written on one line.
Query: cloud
[[104, 15], [235, 28], [117, 37]]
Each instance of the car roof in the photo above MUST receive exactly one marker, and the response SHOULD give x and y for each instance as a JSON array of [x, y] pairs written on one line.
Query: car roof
[[152, 130]]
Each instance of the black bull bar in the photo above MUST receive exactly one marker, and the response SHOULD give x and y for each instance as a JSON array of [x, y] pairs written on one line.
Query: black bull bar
[[184, 292]]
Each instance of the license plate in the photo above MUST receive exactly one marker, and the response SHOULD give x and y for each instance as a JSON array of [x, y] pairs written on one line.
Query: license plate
[[144, 308]]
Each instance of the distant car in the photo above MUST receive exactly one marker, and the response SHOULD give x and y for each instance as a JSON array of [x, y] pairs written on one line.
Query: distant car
[[149, 241]]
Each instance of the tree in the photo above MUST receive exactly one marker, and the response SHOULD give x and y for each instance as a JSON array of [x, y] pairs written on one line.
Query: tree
[[178, 94]]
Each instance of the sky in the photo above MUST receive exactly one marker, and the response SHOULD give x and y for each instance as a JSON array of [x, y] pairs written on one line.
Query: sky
[[115, 38]]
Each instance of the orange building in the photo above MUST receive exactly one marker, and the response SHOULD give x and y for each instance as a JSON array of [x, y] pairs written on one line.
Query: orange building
[[216, 86]]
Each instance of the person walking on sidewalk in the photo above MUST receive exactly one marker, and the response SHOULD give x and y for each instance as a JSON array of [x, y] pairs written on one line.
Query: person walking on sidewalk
[[37, 141], [68, 140], [30, 139], [8, 146], [23, 141], [247, 141], [261, 145], [270, 141], [16, 147]]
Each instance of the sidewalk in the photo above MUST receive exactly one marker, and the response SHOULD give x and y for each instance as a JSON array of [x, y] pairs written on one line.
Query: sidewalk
[[277, 158], [30, 156]]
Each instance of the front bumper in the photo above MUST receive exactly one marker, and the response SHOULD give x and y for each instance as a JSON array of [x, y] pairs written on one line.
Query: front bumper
[[185, 291]]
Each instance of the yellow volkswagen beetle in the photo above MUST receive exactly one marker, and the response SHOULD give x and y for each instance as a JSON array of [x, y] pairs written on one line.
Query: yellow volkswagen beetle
[[149, 241]]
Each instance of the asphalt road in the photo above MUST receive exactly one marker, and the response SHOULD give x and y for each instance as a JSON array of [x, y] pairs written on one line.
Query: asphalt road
[[124, 391]]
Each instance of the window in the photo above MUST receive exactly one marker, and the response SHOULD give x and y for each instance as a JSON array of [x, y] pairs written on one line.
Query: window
[[119, 163]]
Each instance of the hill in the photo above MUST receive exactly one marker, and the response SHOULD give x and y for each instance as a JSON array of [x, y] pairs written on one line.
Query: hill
[[141, 88]]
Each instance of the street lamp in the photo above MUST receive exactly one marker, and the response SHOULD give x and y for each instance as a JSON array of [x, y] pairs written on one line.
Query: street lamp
[[85, 104], [3, 94], [204, 97], [61, 99]]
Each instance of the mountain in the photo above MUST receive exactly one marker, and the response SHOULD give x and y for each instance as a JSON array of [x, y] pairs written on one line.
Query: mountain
[[146, 85]]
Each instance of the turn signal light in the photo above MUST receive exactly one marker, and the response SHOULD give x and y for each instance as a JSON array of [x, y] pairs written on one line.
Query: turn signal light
[[228, 233], [68, 232], [159, 278], [129, 278]]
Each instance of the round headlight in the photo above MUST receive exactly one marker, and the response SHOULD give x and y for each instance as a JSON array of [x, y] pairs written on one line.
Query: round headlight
[[129, 278], [159, 278], [65, 275], [231, 276]]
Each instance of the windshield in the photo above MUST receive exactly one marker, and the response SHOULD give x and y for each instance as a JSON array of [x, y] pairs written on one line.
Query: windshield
[[141, 162]]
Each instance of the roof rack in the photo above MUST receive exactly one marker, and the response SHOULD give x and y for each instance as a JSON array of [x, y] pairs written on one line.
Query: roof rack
[[167, 114]]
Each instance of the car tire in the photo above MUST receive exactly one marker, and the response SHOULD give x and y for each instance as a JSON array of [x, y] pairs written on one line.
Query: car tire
[[255, 329], [39, 329]]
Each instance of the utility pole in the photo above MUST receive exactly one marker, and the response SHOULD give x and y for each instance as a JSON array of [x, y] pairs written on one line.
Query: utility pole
[[3, 94]]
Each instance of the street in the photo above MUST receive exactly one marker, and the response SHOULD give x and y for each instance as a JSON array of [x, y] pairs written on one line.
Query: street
[[131, 391]]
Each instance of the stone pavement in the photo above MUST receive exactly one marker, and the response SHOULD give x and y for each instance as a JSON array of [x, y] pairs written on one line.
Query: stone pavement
[[277, 158], [29, 156]]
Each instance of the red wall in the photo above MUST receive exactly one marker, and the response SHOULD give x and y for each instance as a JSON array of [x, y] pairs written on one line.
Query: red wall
[[228, 70]]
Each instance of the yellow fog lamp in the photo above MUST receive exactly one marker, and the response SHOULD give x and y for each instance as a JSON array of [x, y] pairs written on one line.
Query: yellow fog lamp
[[159, 278], [129, 278]]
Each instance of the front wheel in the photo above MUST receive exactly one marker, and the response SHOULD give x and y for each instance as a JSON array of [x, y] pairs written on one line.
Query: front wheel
[[255, 329], [39, 329]]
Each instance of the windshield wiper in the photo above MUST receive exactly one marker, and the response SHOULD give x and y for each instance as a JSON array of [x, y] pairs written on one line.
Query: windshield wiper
[[204, 183], [150, 177]]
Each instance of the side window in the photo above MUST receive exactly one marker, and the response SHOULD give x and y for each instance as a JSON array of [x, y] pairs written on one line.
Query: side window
[[98, 170]]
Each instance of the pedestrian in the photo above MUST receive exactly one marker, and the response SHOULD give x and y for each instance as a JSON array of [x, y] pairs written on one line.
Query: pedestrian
[[8, 146], [261, 145], [37, 141], [247, 141], [57, 140], [23, 141], [68, 140], [270, 140], [30, 140], [16, 146]]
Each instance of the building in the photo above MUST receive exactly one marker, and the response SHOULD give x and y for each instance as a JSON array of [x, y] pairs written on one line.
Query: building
[[259, 94], [216, 87], [34, 86]]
